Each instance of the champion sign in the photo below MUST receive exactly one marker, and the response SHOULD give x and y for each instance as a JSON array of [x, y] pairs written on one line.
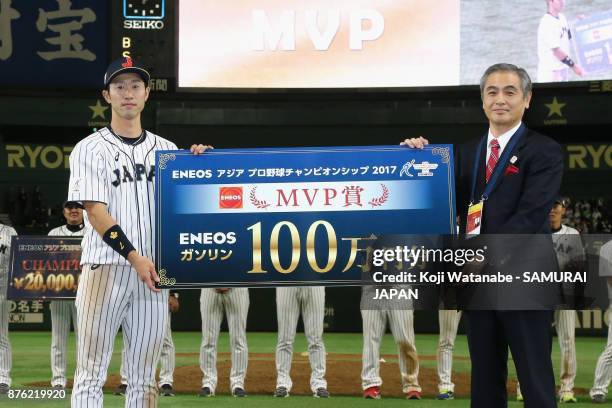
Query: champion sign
[[230, 197]]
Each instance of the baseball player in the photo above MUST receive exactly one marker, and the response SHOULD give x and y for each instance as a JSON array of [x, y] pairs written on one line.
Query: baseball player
[[310, 301], [6, 233], [449, 322], [64, 311], [166, 360], [554, 37], [570, 255], [235, 303], [603, 370], [112, 174], [401, 322]]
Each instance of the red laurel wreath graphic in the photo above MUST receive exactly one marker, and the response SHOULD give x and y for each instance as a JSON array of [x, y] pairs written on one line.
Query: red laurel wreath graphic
[[257, 203], [378, 201]]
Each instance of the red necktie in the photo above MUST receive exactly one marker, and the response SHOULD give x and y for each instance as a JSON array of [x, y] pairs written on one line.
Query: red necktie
[[493, 158]]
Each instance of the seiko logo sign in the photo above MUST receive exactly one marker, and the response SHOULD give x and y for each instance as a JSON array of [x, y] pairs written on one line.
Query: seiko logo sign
[[143, 24]]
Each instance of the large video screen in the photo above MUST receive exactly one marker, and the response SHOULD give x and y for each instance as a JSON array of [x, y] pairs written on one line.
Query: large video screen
[[241, 44]]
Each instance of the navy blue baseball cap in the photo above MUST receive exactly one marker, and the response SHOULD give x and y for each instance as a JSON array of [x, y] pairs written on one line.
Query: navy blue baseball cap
[[76, 204], [124, 65]]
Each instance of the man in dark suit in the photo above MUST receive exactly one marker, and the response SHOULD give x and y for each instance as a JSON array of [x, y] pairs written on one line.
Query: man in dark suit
[[516, 200]]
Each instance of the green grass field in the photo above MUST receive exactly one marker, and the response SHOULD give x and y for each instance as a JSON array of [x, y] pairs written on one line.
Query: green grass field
[[31, 364]]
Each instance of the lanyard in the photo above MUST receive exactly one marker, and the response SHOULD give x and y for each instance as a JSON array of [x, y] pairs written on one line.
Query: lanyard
[[499, 167]]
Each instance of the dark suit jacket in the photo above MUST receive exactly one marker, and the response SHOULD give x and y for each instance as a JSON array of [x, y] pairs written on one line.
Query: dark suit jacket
[[519, 204]]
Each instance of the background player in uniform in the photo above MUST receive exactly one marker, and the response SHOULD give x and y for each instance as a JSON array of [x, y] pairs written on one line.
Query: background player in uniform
[[401, 322], [64, 311], [166, 359], [603, 370], [571, 257], [235, 303], [6, 233], [554, 37], [570, 254], [449, 322], [112, 173], [310, 300]]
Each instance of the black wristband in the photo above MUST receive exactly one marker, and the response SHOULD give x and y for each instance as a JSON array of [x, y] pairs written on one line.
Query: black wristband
[[568, 61], [116, 239]]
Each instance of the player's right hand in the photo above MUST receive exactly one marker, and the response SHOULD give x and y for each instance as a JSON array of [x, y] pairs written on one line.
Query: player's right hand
[[145, 269], [578, 70], [415, 142]]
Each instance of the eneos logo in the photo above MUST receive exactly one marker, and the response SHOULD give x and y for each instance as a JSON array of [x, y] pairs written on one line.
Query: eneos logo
[[230, 197]]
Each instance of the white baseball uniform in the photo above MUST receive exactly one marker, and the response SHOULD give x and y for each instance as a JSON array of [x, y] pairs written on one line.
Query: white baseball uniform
[[569, 249], [553, 32], [401, 322], [235, 304], [167, 358], [104, 168], [449, 322], [62, 313], [310, 300], [603, 370], [6, 233]]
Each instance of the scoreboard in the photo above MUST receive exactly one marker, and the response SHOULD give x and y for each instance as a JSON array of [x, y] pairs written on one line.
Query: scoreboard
[[144, 30]]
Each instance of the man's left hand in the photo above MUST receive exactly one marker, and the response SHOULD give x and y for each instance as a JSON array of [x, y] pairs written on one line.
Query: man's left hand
[[415, 142]]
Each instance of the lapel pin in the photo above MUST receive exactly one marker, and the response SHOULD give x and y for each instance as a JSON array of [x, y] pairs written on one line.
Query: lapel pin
[[513, 159]]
